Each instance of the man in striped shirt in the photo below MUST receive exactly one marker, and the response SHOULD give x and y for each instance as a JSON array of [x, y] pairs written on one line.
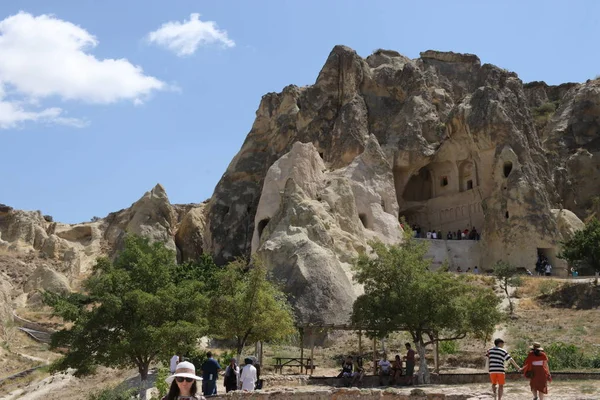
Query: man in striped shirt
[[497, 356]]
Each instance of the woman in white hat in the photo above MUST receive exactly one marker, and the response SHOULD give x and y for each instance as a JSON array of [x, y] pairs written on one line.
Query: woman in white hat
[[183, 383]]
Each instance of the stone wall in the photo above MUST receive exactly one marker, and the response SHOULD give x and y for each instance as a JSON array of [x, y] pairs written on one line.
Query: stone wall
[[458, 253]]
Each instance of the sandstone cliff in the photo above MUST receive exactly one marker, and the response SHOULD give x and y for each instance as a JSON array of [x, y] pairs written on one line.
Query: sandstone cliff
[[442, 141], [461, 145], [37, 254]]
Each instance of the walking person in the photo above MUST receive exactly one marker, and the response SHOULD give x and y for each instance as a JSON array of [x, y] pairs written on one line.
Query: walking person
[[210, 373], [173, 363], [183, 383], [232, 376], [536, 370], [497, 356]]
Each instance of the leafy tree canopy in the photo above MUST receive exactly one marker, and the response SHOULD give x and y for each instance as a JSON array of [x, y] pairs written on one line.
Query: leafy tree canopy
[[248, 307], [401, 293], [583, 249], [133, 311]]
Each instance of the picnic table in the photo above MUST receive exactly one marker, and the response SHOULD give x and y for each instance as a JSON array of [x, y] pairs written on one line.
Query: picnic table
[[301, 362]]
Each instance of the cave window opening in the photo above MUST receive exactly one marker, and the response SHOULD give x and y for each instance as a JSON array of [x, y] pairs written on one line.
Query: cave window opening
[[322, 155], [444, 181], [508, 165], [469, 184], [363, 219], [261, 226], [506, 215]]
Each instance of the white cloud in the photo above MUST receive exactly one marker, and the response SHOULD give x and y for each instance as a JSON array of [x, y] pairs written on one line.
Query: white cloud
[[184, 38], [44, 57]]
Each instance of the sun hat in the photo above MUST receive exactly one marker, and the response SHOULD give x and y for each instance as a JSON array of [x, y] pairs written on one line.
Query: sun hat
[[184, 369], [536, 346]]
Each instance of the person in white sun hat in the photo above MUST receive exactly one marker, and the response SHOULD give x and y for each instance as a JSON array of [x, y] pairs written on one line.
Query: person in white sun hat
[[183, 383]]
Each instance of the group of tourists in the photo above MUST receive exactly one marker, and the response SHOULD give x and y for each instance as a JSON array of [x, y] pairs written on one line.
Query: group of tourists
[[184, 386], [542, 266], [535, 368], [353, 370], [468, 270], [451, 235], [183, 379]]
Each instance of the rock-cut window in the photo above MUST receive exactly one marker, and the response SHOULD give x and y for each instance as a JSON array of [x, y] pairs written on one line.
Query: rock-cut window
[[444, 181]]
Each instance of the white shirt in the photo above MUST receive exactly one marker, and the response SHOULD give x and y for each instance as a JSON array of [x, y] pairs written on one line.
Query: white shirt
[[428, 235], [174, 362], [433, 235], [248, 378], [548, 268], [385, 365]]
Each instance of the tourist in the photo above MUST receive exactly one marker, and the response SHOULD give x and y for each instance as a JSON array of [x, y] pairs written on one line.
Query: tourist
[[453, 235], [347, 367], [183, 383], [359, 371], [428, 236], [434, 235], [472, 234], [466, 233], [409, 358], [385, 369], [232, 376], [210, 372], [535, 368], [476, 270], [548, 269], [397, 370], [497, 356], [458, 235], [439, 235], [458, 269], [449, 236], [248, 377], [468, 270], [173, 363]]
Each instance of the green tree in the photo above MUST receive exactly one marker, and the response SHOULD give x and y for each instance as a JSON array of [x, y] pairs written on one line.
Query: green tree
[[134, 311], [583, 249], [508, 277], [402, 294], [248, 308]]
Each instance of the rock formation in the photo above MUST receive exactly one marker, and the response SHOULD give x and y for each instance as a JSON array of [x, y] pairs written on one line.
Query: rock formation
[[465, 145], [441, 141]]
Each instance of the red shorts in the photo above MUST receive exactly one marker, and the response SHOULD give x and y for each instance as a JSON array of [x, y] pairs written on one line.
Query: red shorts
[[497, 378]]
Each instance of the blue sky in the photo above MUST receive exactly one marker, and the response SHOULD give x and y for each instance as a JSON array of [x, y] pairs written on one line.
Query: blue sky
[[82, 136]]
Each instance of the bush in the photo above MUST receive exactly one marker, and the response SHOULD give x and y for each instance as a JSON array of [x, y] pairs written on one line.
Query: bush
[[545, 109], [448, 347], [547, 287], [162, 386], [114, 394], [562, 356]]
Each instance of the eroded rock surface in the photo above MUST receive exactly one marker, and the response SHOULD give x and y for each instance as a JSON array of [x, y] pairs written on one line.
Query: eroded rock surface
[[458, 139]]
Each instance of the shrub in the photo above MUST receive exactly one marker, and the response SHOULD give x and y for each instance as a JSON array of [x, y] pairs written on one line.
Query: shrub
[[562, 356], [161, 384], [114, 394], [448, 347], [547, 287]]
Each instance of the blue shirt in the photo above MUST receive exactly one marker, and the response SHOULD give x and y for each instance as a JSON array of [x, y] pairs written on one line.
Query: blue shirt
[[210, 369]]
